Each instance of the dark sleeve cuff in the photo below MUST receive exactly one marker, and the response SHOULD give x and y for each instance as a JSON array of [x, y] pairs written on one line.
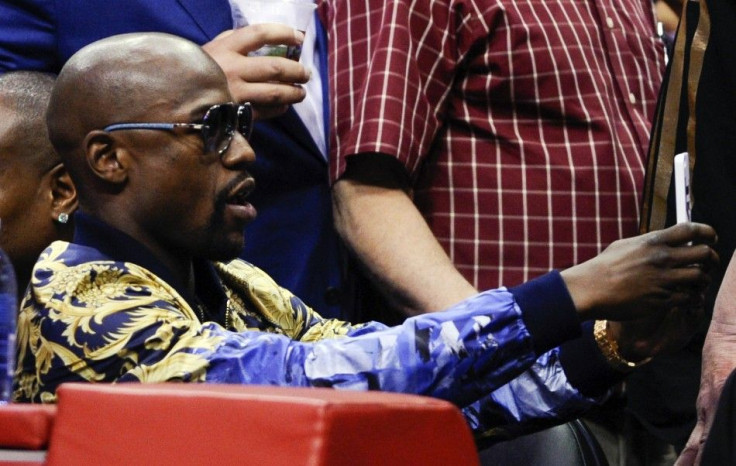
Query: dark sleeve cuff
[[585, 366], [547, 310], [377, 169]]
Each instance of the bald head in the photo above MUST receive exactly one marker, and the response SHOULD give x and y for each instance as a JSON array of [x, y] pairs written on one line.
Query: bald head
[[24, 97], [122, 78], [27, 90]]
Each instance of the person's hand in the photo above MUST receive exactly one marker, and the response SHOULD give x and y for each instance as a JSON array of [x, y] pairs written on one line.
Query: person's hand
[[270, 84], [719, 360], [651, 273]]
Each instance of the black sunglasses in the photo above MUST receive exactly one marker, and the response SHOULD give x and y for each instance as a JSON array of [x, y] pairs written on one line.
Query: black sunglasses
[[217, 128]]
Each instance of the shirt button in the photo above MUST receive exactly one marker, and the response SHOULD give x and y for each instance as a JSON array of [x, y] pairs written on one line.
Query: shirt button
[[609, 22], [632, 98]]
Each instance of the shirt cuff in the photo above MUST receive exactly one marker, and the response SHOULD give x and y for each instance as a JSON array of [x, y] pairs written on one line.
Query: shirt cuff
[[585, 366], [377, 169], [548, 311]]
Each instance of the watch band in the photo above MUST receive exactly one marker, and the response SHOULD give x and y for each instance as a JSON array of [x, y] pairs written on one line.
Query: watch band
[[609, 348]]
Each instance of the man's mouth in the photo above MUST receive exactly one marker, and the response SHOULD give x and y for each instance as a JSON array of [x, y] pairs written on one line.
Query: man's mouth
[[236, 203], [239, 195]]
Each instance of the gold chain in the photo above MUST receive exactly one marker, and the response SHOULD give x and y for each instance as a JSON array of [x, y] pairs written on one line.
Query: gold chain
[[200, 310], [228, 312]]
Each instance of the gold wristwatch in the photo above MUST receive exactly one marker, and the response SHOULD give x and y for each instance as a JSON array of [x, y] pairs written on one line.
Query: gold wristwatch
[[609, 348]]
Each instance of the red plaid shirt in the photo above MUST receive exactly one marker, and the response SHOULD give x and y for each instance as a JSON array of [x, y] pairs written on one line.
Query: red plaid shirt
[[524, 124]]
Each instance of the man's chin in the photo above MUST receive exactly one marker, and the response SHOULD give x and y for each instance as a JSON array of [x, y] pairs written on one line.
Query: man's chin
[[225, 250]]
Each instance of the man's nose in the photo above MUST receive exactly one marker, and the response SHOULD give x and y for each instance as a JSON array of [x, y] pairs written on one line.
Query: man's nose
[[239, 153]]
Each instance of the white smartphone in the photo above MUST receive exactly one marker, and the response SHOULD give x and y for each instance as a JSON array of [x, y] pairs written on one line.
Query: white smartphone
[[682, 187]]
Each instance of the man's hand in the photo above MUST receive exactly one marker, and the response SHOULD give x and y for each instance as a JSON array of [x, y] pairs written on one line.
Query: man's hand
[[719, 359], [270, 84], [651, 273]]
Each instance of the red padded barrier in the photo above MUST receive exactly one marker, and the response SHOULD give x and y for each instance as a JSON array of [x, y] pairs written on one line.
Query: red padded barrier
[[231, 424], [25, 426]]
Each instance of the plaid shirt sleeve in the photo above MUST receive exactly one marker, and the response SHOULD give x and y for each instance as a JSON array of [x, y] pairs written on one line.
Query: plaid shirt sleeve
[[523, 124], [399, 110]]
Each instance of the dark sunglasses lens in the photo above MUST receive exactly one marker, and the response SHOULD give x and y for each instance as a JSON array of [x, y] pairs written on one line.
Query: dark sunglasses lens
[[245, 120], [218, 127]]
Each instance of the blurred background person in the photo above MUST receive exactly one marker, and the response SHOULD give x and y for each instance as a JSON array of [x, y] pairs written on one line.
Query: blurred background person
[[37, 197]]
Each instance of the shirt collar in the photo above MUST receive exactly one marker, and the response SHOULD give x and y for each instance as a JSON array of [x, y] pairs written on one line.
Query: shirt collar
[[118, 246]]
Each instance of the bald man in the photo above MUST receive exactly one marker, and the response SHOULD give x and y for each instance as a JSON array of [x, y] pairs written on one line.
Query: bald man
[[293, 238], [146, 127], [37, 196]]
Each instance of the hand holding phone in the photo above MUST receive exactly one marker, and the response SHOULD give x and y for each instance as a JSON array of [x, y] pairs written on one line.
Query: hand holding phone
[[682, 187]]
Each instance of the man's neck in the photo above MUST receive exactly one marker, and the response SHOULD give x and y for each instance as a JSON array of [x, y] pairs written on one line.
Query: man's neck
[[194, 279], [121, 242]]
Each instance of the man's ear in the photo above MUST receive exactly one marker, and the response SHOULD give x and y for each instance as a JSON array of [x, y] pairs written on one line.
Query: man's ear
[[105, 157], [63, 192]]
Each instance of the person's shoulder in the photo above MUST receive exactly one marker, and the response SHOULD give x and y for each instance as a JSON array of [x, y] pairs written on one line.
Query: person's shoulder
[[63, 261], [61, 255], [69, 269]]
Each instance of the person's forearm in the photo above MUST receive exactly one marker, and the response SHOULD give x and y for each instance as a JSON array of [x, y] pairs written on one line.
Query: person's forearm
[[460, 355], [719, 360], [539, 397], [392, 240], [675, 5]]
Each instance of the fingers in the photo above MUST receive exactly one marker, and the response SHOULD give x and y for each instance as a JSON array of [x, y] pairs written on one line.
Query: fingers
[[695, 253], [672, 276], [695, 279], [269, 83], [271, 69], [250, 38], [690, 452], [635, 275], [240, 68], [266, 81], [267, 93], [666, 255], [223, 34], [268, 99], [683, 233], [701, 442]]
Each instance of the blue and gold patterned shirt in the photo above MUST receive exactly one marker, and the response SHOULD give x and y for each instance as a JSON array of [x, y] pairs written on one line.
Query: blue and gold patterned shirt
[[102, 309]]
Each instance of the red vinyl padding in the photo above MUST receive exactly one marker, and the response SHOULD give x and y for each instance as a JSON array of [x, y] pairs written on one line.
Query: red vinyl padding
[[228, 424], [25, 426]]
